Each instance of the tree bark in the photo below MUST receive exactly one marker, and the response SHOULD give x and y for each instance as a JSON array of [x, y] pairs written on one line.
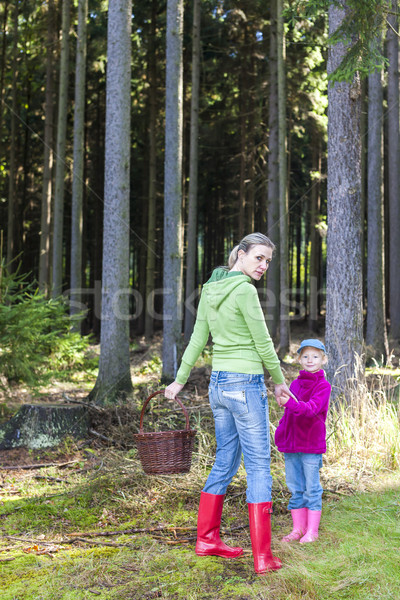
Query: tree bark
[[172, 305], [284, 329], [151, 221], [273, 309], [12, 173], [114, 379], [394, 174], [376, 336], [2, 70], [45, 218], [193, 176], [58, 222], [344, 311], [78, 157], [315, 239]]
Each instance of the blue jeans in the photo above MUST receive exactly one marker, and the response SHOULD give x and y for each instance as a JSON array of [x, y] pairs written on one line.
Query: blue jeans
[[302, 479], [240, 408]]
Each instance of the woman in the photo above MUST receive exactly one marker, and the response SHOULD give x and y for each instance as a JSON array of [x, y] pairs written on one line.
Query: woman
[[230, 310]]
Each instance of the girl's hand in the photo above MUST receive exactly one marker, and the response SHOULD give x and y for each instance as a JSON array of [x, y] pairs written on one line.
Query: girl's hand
[[173, 390], [282, 394]]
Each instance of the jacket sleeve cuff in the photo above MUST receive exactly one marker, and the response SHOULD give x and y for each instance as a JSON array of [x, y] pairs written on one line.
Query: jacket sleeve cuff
[[292, 405]]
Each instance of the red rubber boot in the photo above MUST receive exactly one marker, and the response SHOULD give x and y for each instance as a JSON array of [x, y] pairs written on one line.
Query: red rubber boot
[[208, 525], [260, 534]]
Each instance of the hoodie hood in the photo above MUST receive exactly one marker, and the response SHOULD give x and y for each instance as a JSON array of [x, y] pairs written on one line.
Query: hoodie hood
[[221, 284]]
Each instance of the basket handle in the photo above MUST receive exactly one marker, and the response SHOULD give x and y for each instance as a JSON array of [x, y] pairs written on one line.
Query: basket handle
[[148, 400]]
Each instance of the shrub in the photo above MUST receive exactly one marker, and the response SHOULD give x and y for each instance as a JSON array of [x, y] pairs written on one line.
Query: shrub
[[35, 334]]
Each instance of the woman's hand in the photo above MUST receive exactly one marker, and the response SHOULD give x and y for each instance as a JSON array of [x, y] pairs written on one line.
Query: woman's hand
[[172, 390], [282, 394]]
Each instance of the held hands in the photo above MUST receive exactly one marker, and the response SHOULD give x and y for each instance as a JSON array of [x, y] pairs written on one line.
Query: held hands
[[172, 390], [282, 394]]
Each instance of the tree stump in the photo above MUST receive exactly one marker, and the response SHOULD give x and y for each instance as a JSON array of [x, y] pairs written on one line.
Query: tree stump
[[43, 426]]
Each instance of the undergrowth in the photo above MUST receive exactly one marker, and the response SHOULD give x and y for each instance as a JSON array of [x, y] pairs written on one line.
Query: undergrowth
[[102, 528], [36, 340], [112, 532]]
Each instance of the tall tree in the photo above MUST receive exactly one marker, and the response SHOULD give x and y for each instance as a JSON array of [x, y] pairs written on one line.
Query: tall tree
[[13, 163], [344, 315], [376, 337], [191, 236], [273, 177], [2, 69], [284, 329], [45, 217], [393, 171], [58, 222], [114, 379], [315, 238], [172, 306], [78, 158], [152, 202]]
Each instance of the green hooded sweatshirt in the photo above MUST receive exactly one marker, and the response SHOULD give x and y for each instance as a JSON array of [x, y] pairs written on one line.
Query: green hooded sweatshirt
[[230, 310]]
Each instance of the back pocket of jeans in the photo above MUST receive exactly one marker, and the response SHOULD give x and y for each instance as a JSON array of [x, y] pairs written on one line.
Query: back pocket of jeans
[[235, 400]]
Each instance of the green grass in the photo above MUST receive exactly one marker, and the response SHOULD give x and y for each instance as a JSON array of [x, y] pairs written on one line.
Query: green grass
[[356, 555], [106, 491]]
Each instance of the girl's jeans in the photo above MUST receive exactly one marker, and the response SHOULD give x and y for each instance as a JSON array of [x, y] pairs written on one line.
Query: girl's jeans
[[302, 479], [240, 409]]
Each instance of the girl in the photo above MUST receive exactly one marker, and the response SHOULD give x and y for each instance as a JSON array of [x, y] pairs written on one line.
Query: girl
[[301, 436]]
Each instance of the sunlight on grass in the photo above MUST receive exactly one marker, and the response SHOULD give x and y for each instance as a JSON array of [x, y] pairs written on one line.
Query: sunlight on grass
[[118, 534]]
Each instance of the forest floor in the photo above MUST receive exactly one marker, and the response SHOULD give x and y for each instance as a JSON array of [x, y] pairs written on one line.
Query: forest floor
[[83, 520]]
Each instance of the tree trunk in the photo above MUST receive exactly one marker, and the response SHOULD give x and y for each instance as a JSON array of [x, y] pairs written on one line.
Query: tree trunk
[[151, 221], [114, 379], [12, 172], [273, 273], [2, 71], [284, 337], [193, 167], [394, 174], [44, 259], [344, 315], [58, 221], [376, 337], [314, 236], [243, 147], [76, 306], [172, 308]]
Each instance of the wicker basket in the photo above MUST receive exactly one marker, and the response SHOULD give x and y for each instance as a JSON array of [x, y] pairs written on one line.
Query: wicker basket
[[165, 452]]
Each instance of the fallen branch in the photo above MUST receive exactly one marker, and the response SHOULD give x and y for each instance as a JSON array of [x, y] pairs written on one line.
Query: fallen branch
[[87, 404], [10, 558], [173, 542], [38, 466], [35, 542], [150, 530], [48, 478], [80, 539], [131, 531], [101, 436]]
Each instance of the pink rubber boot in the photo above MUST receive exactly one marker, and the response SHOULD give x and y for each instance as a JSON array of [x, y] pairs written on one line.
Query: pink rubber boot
[[314, 517], [299, 518]]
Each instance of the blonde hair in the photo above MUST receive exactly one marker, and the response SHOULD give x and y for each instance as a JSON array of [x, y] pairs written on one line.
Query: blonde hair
[[246, 244]]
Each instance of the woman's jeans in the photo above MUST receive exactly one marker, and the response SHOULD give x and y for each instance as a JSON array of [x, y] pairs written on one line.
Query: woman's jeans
[[240, 409], [302, 479]]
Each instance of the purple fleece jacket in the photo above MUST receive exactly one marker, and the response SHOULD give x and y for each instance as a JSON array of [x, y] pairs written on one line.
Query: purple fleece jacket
[[302, 427]]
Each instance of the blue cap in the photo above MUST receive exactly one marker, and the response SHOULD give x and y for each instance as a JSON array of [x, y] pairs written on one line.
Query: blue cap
[[311, 344]]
